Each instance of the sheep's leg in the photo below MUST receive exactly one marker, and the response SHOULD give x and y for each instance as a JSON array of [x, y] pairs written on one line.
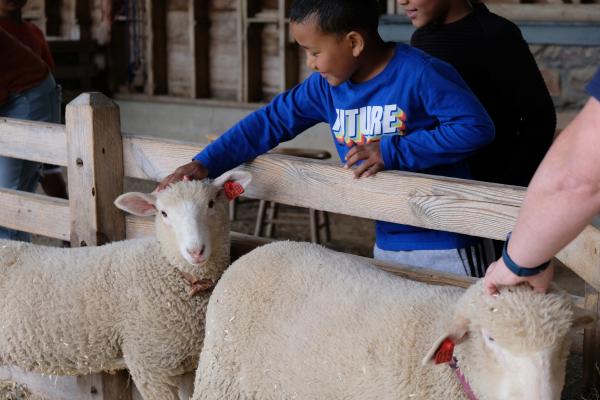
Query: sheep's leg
[[154, 386]]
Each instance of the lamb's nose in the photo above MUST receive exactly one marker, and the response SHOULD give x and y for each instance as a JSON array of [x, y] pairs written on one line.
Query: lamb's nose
[[196, 253]]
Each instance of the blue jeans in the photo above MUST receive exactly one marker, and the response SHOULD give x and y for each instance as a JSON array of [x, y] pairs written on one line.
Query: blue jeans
[[40, 103]]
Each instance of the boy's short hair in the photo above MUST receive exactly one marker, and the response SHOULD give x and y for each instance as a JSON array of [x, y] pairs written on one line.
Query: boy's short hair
[[338, 16]]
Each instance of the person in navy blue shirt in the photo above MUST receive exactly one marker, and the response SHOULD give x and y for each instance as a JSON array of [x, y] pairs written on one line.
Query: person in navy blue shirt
[[390, 107], [563, 198]]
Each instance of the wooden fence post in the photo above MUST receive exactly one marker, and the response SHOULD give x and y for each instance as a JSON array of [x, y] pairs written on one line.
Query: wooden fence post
[[591, 342], [95, 173]]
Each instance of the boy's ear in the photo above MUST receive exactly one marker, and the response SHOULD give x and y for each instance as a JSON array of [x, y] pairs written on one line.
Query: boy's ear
[[140, 204], [357, 42]]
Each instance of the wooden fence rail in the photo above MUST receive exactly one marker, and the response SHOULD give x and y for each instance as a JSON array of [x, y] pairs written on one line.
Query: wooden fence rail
[[98, 158]]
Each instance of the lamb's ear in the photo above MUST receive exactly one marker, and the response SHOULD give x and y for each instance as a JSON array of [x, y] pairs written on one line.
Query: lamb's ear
[[583, 318], [441, 350], [140, 204], [233, 183]]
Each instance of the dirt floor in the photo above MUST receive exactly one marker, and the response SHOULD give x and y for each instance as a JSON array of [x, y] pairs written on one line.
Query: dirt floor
[[356, 236]]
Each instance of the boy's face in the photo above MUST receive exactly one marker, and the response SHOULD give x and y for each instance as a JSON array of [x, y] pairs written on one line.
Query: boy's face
[[9, 6], [331, 55], [423, 12]]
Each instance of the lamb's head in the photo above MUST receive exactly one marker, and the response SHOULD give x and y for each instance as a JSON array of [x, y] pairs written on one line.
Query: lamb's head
[[513, 345], [192, 224]]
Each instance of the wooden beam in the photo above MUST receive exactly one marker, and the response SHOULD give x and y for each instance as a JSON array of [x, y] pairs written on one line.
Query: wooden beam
[[441, 203], [53, 17], [548, 12], [30, 212], [36, 141], [150, 158], [591, 341], [95, 179], [288, 49], [83, 14], [95, 169], [200, 46], [156, 47]]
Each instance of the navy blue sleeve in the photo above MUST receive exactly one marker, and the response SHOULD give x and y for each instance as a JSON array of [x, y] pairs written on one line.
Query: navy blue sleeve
[[463, 124], [289, 114], [593, 88]]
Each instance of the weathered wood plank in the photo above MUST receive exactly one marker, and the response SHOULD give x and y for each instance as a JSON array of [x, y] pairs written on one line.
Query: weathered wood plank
[[95, 169], [148, 158], [548, 12], [36, 141], [200, 45], [156, 47], [96, 174], [30, 212], [450, 204], [591, 341]]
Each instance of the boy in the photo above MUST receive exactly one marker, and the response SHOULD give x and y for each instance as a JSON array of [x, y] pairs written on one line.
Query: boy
[[389, 107], [490, 54], [492, 57]]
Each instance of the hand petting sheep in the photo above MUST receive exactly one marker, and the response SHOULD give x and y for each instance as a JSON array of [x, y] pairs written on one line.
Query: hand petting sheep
[[297, 321], [122, 305]]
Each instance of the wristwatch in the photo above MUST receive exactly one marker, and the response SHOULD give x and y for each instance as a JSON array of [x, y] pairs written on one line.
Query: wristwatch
[[516, 268]]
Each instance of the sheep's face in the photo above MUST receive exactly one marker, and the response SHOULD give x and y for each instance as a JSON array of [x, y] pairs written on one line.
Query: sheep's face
[[190, 215], [514, 345]]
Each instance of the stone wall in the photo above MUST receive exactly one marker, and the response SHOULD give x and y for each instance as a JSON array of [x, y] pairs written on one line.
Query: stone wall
[[567, 69]]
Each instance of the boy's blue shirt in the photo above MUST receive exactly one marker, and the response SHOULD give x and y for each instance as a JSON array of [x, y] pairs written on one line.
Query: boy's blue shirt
[[424, 115]]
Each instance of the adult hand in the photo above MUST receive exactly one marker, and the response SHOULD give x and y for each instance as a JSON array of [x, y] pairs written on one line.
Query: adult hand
[[370, 154], [499, 275], [190, 172]]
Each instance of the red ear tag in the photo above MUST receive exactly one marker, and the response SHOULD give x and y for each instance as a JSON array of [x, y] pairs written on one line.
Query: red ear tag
[[233, 190], [444, 352]]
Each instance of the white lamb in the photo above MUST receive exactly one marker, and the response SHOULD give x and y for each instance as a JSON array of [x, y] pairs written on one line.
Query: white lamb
[[297, 321], [121, 305]]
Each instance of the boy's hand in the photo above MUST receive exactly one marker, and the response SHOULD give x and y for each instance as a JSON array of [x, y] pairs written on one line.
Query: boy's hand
[[499, 275], [370, 154], [190, 172]]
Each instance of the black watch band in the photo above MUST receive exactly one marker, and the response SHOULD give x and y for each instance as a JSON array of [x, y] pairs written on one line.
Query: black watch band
[[516, 268]]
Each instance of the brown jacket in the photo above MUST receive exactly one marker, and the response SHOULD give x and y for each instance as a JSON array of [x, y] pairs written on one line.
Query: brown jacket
[[20, 68]]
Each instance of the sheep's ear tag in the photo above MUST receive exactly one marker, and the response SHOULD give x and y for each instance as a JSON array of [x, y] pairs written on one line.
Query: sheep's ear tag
[[233, 190], [445, 352]]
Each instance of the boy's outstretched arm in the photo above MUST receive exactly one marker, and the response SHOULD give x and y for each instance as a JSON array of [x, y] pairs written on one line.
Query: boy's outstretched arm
[[289, 114], [463, 126]]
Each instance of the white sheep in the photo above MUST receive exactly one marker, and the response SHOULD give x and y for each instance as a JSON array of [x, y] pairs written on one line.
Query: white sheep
[[124, 304], [297, 321]]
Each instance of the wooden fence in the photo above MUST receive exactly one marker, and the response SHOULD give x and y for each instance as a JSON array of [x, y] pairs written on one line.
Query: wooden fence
[[98, 158]]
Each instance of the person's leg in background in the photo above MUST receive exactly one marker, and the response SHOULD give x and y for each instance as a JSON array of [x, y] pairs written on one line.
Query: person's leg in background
[[39, 103]]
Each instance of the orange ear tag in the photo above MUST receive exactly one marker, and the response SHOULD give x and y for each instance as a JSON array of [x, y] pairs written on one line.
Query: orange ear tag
[[445, 352], [233, 190]]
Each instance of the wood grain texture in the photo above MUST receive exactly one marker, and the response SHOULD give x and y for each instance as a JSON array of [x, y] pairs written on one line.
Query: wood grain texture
[[95, 170], [36, 141], [96, 174], [449, 204], [30, 212], [548, 12]]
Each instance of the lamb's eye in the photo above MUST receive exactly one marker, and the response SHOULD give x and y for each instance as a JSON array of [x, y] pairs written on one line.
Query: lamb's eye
[[211, 204], [491, 339], [164, 214]]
